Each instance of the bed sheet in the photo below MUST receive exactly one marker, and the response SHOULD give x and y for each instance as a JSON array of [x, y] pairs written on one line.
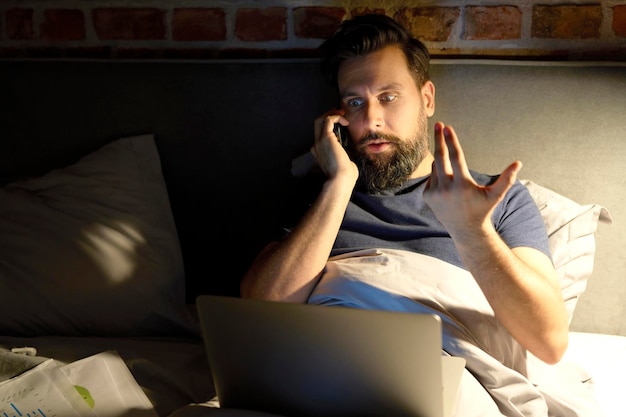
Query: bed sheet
[[603, 356], [172, 372], [175, 375]]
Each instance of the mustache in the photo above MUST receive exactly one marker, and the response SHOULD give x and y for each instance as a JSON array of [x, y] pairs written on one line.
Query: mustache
[[372, 136]]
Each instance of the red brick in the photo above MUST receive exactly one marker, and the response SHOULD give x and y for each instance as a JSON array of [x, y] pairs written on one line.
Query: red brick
[[118, 23], [63, 25], [493, 23], [199, 24], [360, 11], [268, 24], [566, 21], [619, 20], [317, 22], [429, 23], [20, 24]]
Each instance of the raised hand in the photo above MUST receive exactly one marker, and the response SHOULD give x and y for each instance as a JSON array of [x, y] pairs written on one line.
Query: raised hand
[[462, 205]]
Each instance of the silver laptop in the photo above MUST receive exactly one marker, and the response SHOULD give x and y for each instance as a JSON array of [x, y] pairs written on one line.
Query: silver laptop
[[300, 360]]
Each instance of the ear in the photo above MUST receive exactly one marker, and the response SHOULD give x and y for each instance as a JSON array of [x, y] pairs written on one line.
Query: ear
[[428, 96]]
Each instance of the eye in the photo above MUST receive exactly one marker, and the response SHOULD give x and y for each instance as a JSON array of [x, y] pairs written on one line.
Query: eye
[[388, 98], [354, 102]]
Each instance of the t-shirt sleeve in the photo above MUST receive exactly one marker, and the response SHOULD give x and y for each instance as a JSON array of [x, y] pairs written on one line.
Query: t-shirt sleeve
[[519, 222]]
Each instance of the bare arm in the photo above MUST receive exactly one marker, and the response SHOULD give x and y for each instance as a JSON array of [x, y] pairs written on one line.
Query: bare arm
[[288, 270], [520, 284]]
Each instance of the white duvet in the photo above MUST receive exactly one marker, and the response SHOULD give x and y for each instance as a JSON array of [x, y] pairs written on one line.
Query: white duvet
[[517, 384]]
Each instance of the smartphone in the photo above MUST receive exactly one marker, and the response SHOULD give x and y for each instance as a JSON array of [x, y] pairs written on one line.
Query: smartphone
[[342, 134]]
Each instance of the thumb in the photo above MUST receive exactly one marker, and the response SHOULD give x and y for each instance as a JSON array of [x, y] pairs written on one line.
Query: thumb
[[506, 179]]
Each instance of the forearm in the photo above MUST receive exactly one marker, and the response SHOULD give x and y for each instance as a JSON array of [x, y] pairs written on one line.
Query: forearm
[[526, 300], [289, 270]]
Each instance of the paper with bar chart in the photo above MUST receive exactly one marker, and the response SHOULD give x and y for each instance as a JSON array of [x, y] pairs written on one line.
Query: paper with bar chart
[[100, 386], [43, 391]]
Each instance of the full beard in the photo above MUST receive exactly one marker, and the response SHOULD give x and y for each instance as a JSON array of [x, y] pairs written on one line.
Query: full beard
[[389, 170]]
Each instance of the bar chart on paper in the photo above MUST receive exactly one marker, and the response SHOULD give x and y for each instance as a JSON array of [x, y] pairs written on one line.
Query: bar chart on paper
[[12, 409], [25, 401], [41, 392], [100, 385]]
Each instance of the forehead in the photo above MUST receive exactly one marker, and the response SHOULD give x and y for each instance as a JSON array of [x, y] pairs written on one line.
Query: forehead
[[387, 66]]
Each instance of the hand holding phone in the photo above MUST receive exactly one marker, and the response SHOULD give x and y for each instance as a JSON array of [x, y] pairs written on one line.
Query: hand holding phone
[[306, 163], [342, 134]]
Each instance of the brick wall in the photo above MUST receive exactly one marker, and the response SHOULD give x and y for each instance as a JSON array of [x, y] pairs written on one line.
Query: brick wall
[[548, 29]]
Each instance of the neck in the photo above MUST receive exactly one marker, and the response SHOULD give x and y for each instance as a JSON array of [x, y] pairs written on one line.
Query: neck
[[424, 167]]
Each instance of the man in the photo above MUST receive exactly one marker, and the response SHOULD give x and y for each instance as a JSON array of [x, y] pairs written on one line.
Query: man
[[385, 189]]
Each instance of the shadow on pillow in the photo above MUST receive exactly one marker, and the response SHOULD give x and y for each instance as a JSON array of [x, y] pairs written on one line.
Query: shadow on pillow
[[571, 231], [92, 249]]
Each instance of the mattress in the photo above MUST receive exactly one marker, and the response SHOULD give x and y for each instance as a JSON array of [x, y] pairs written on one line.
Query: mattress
[[603, 356]]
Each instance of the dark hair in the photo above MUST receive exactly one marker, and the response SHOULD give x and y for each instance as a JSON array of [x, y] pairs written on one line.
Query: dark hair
[[368, 33]]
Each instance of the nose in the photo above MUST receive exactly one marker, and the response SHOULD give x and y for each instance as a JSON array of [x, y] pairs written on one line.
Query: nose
[[373, 116]]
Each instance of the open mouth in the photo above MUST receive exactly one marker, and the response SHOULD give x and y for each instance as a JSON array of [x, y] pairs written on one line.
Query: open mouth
[[378, 145]]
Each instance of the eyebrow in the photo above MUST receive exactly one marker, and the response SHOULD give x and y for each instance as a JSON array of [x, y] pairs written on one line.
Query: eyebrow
[[391, 86]]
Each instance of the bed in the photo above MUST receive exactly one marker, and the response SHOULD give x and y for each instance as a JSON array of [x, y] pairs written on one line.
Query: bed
[[122, 191]]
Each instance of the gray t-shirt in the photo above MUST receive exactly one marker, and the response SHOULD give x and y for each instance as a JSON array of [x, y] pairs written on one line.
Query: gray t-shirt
[[400, 219]]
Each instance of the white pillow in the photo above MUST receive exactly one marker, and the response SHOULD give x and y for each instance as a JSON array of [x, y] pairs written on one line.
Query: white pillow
[[571, 230], [92, 249]]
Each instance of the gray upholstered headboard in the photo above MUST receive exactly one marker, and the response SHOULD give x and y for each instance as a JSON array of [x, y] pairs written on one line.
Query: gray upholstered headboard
[[227, 131]]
